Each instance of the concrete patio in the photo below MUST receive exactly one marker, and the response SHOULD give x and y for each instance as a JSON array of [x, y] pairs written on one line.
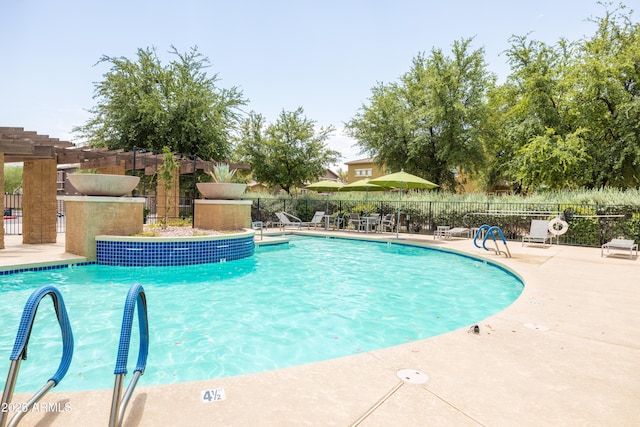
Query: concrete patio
[[567, 352]]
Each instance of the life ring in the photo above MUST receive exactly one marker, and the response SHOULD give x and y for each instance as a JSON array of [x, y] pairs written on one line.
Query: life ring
[[558, 226]]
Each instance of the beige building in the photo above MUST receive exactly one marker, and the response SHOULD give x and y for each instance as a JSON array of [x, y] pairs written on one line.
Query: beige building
[[363, 169]]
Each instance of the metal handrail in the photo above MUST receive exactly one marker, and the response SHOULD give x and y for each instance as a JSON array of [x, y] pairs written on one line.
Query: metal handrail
[[19, 351], [478, 233], [490, 231], [136, 296]]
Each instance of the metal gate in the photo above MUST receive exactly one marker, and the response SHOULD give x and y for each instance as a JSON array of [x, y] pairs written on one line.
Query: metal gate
[[13, 215]]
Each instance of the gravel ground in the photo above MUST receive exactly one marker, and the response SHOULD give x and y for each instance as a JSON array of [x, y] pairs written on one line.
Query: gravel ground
[[173, 231]]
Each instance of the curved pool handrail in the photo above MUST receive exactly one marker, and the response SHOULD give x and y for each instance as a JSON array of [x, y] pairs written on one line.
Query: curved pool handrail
[[21, 343], [500, 233], [491, 231], [135, 297], [478, 233]]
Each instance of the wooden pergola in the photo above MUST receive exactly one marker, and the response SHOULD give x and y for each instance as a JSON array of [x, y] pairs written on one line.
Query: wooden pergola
[[41, 154], [19, 145]]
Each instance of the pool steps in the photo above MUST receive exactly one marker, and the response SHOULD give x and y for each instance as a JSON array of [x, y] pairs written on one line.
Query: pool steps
[[19, 353], [135, 297]]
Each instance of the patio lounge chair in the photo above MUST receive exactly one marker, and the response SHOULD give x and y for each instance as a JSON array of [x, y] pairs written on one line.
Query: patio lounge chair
[[621, 245], [288, 220], [456, 231], [317, 220], [538, 233]]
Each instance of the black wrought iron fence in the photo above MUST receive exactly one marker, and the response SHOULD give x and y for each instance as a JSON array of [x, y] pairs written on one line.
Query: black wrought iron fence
[[12, 220], [589, 224]]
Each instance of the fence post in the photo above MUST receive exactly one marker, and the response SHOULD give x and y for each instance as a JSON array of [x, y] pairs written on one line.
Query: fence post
[[259, 213]]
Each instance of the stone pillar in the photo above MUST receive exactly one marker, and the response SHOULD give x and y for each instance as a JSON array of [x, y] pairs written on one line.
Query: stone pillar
[[171, 195], [39, 205], [3, 198], [97, 215], [222, 215]]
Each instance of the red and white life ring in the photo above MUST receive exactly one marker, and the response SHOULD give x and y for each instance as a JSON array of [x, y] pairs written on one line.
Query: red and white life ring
[[558, 226]]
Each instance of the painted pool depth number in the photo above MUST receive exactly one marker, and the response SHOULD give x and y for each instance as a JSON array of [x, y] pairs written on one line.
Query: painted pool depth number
[[213, 395]]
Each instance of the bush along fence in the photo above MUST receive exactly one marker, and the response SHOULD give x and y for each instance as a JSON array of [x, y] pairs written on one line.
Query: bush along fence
[[589, 224]]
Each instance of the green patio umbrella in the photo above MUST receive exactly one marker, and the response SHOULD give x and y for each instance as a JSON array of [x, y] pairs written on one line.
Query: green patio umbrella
[[402, 180], [363, 185], [325, 186]]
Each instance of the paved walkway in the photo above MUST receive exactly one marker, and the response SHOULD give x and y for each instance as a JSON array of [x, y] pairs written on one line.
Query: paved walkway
[[567, 352]]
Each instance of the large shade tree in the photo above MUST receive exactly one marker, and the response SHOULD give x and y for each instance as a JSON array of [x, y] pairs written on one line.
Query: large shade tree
[[567, 115], [537, 143], [287, 153], [431, 122], [145, 104], [606, 96]]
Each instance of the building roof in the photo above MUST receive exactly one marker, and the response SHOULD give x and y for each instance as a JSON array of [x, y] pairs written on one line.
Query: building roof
[[361, 161]]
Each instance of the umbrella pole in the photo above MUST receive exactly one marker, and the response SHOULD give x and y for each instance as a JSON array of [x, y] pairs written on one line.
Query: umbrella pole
[[398, 221]]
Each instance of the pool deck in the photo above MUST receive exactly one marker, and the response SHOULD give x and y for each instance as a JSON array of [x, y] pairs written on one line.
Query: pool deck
[[567, 352]]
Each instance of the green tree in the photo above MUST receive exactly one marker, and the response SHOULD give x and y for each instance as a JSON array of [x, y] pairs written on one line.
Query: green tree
[[431, 122], [606, 95], [147, 105], [568, 114], [534, 142], [12, 178], [288, 152], [552, 160]]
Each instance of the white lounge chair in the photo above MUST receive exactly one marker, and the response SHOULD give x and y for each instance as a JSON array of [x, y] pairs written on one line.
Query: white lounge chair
[[621, 245], [287, 220], [538, 233], [317, 220], [457, 231]]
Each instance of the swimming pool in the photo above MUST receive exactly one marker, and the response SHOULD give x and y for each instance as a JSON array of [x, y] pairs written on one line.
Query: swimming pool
[[311, 300]]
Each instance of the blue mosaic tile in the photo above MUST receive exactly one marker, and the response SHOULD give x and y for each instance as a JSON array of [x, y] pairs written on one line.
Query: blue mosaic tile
[[146, 254], [44, 267]]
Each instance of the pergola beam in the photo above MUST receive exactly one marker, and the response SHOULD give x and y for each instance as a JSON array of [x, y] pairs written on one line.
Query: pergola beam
[[20, 146], [40, 152]]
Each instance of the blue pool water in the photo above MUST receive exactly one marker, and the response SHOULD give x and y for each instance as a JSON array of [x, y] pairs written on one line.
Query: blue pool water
[[311, 300]]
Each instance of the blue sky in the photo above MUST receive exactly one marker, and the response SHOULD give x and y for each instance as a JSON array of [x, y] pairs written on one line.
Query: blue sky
[[324, 56]]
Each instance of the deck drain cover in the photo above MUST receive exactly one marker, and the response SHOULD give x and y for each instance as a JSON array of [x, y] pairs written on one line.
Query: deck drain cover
[[536, 327], [412, 376]]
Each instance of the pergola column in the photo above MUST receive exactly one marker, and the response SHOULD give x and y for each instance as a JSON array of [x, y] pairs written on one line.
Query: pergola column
[[39, 205]]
